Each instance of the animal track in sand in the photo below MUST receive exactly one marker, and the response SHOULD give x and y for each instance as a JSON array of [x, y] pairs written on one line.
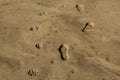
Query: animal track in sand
[[34, 28], [38, 45], [33, 72]]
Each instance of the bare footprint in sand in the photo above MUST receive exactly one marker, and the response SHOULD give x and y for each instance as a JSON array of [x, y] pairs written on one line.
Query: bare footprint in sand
[[88, 25], [64, 48], [80, 8]]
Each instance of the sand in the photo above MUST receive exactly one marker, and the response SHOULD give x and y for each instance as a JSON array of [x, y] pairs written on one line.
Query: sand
[[31, 32]]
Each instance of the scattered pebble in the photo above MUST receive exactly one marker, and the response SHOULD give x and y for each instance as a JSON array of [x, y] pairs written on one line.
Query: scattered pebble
[[40, 3], [33, 72], [72, 71], [52, 61], [80, 8], [64, 48], [104, 78], [62, 5], [108, 59], [40, 14], [44, 13]]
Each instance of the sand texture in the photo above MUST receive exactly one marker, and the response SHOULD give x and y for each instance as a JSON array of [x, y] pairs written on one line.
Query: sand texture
[[32, 32]]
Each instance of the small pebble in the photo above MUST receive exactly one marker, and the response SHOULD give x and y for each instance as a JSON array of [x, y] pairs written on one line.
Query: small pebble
[[53, 61], [43, 13], [108, 59], [40, 14], [72, 71]]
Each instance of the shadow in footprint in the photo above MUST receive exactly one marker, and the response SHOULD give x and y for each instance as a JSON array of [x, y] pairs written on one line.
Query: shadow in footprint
[[85, 27], [60, 51]]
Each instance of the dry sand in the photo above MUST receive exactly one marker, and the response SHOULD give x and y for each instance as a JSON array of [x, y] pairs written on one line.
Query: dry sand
[[31, 32]]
